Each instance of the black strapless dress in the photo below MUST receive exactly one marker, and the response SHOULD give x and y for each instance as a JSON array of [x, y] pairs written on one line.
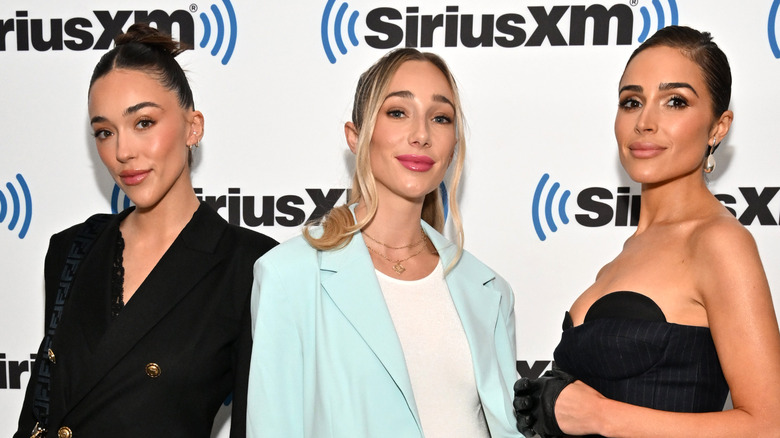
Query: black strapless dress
[[627, 351]]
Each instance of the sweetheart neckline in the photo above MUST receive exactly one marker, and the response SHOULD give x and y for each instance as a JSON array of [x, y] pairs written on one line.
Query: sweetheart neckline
[[660, 322], [652, 312]]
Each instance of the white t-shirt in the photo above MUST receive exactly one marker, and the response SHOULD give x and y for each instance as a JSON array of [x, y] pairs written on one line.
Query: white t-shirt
[[437, 355]]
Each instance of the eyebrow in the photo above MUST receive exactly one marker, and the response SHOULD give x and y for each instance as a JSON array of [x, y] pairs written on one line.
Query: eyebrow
[[662, 86], [443, 99], [673, 85], [129, 110], [139, 106], [635, 88], [406, 94]]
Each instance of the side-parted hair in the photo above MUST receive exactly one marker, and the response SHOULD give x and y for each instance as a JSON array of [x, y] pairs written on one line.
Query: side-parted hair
[[338, 226], [699, 48]]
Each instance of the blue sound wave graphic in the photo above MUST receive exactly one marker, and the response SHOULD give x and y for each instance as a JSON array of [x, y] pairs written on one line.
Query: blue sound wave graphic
[[220, 37], [771, 33], [659, 12], [116, 206], [16, 206], [548, 207], [444, 200], [337, 29]]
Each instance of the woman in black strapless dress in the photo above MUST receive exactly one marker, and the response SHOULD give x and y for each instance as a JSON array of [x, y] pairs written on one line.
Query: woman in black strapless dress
[[683, 314]]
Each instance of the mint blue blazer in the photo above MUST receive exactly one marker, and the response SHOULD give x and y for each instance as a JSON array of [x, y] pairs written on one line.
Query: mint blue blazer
[[326, 360]]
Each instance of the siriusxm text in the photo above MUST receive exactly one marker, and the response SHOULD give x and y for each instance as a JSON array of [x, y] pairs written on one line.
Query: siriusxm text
[[392, 28]]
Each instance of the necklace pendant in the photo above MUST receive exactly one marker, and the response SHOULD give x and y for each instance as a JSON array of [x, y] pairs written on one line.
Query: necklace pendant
[[398, 268]]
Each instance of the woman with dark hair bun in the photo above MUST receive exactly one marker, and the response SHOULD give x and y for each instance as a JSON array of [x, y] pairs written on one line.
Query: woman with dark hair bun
[[683, 314], [147, 325]]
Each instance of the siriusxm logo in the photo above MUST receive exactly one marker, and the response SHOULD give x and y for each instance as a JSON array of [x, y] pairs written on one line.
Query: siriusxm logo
[[97, 32], [18, 205], [242, 210], [338, 24], [548, 207], [221, 31], [660, 16], [532, 370], [286, 210], [445, 201], [772, 28], [11, 371], [388, 27], [599, 206], [757, 205], [119, 200]]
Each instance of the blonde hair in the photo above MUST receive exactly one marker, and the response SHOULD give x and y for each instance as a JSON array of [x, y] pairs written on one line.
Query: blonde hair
[[338, 226]]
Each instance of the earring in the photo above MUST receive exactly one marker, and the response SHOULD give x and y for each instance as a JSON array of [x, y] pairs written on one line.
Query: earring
[[709, 165]]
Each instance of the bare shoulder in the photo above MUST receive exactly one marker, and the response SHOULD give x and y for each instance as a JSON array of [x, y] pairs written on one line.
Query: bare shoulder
[[726, 260], [721, 235], [604, 269]]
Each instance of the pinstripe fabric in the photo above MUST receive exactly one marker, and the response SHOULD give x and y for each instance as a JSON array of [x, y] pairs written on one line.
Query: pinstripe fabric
[[649, 363]]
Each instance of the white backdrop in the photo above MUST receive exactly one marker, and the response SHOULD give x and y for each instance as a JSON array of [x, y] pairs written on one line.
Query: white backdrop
[[537, 103]]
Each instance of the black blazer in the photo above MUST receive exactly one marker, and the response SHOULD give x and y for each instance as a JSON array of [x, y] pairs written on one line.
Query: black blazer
[[190, 317]]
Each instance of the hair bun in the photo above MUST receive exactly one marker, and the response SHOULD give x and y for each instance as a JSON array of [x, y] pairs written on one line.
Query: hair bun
[[143, 33]]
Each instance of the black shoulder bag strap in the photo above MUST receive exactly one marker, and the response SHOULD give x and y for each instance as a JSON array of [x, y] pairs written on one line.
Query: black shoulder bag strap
[[82, 243]]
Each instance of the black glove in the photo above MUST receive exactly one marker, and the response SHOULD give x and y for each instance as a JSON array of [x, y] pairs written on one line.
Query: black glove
[[535, 403]]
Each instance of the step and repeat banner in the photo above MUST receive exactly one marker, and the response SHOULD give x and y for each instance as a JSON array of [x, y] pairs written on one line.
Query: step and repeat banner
[[545, 201]]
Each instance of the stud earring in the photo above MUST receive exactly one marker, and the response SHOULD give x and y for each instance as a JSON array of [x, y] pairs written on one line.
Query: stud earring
[[709, 165]]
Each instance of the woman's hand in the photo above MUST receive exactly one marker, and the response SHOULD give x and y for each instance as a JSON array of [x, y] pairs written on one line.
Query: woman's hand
[[535, 401], [578, 409]]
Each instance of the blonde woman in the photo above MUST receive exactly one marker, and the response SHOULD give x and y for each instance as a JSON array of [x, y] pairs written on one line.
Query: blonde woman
[[372, 323]]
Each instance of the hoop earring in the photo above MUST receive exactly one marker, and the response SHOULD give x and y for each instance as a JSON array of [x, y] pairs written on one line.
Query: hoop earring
[[709, 165]]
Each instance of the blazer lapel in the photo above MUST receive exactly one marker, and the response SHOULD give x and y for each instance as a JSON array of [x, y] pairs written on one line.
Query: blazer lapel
[[91, 291], [477, 304], [86, 316], [191, 256], [348, 278], [478, 307]]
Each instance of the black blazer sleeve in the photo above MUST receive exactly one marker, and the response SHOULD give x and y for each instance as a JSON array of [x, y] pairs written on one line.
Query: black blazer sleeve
[[59, 245], [242, 351]]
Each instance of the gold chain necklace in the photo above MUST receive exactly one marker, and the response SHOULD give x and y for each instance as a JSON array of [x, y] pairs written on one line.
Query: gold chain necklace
[[397, 266], [411, 245]]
